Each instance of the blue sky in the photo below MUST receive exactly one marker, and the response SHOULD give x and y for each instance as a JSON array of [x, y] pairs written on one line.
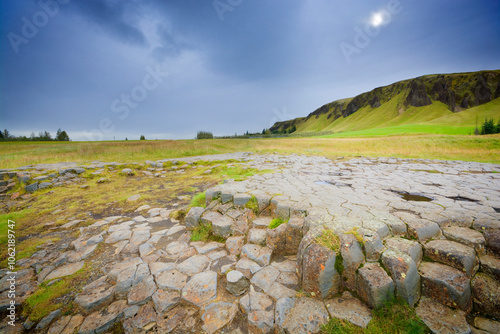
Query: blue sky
[[104, 69]]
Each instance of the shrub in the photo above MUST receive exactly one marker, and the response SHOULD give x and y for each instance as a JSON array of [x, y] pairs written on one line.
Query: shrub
[[204, 232], [276, 222], [204, 135], [329, 240], [198, 200], [489, 127], [253, 205]]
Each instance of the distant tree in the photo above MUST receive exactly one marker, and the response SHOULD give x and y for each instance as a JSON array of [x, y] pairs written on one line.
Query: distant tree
[[1, 134], [488, 127], [126, 138], [142, 137], [204, 135], [62, 136], [32, 136], [6, 134]]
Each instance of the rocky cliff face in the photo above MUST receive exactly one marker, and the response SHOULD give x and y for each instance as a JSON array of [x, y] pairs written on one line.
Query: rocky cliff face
[[458, 91]]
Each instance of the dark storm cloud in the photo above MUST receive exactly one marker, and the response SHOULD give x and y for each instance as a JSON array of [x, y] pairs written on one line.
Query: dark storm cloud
[[113, 16], [232, 65]]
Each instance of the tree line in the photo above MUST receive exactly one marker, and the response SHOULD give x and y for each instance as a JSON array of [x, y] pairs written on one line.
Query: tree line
[[61, 135]]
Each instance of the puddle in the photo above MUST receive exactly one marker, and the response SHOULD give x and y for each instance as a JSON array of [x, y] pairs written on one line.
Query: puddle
[[464, 199], [412, 196], [330, 183]]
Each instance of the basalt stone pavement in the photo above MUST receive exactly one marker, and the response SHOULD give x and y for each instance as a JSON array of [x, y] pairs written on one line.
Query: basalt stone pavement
[[425, 230]]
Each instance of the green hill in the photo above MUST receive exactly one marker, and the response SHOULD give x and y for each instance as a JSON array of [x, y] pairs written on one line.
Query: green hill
[[441, 103]]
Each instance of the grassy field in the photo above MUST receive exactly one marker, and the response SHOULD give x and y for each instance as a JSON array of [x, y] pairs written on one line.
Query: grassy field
[[448, 147], [389, 118]]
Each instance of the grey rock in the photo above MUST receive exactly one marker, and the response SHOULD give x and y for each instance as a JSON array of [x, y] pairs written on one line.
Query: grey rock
[[466, 236], [374, 286], [44, 185], [201, 289], [165, 300], [247, 267], [241, 199], [261, 222], [99, 322], [31, 187], [353, 257], [260, 311], [45, 322], [445, 284], [194, 265], [350, 309], [404, 273], [142, 292], [307, 316], [486, 293], [171, 279], [95, 296], [127, 171], [65, 270], [283, 308], [492, 238], [193, 217], [265, 277], [217, 315], [257, 236], [487, 325], [441, 319], [237, 283], [490, 265], [409, 247], [261, 255], [372, 245], [453, 254]]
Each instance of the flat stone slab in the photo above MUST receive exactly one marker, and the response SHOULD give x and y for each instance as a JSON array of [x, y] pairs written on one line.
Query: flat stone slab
[[218, 315], [65, 270], [350, 309], [453, 254], [95, 295], [201, 289], [442, 319], [165, 300], [99, 322], [142, 292], [171, 279], [307, 316], [448, 285], [466, 236], [194, 265]]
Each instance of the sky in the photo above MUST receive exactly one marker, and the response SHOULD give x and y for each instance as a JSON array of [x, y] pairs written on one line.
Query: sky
[[166, 69]]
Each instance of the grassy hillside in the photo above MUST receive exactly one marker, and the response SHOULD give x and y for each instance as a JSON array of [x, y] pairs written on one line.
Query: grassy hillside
[[440, 104]]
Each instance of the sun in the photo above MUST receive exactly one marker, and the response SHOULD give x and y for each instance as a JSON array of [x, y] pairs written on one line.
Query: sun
[[377, 19]]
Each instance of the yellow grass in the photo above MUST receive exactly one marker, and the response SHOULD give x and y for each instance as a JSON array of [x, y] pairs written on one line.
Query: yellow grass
[[449, 147]]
